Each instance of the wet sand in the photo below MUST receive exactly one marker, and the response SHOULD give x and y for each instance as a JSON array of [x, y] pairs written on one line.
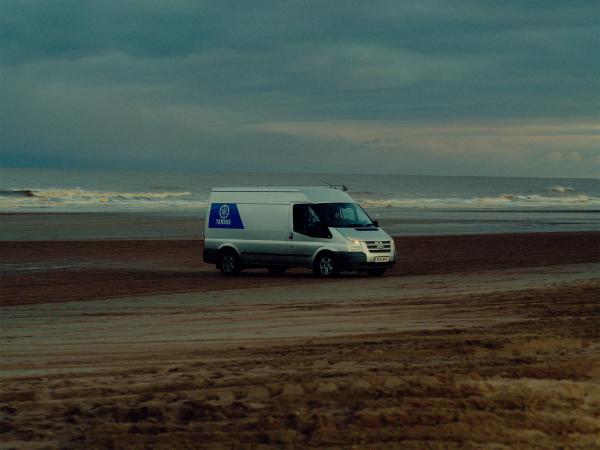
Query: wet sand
[[487, 341], [58, 271]]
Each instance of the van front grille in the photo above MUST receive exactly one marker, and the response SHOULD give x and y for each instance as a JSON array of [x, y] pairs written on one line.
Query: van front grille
[[379, 246]]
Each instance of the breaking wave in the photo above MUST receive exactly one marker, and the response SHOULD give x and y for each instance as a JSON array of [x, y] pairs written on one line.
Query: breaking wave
[[500, 201], [559, 197], [562, 189], [12, 199]]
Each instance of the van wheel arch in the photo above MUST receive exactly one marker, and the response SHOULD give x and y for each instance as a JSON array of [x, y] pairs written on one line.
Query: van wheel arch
[[326, 264], [228, 261]]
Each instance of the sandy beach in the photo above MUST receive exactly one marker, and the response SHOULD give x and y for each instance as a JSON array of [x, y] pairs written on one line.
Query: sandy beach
[[449, 151], [478, 341]]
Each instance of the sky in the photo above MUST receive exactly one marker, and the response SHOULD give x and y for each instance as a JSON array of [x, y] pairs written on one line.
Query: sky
[[465, 87]]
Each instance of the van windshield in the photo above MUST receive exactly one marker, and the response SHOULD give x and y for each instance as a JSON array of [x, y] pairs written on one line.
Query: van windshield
[[343, 215]]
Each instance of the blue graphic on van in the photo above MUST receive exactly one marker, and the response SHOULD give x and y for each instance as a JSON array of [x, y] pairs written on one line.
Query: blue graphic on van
[[224, 215]]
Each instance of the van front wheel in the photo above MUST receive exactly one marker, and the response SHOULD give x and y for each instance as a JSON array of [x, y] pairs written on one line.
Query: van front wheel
[[326, 265], [229, 263]]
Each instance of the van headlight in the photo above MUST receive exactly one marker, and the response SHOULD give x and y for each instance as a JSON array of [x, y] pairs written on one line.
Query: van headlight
[[355, 245]]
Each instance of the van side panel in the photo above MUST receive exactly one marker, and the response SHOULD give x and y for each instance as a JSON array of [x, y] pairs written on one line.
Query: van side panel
[[257, 230], [266, 234], [304, 248]]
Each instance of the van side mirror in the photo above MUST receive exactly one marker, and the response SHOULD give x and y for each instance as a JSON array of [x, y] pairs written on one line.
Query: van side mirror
[[376, 223]]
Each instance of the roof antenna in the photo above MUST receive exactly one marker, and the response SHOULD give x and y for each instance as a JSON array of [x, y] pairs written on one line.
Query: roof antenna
[[335, 186]]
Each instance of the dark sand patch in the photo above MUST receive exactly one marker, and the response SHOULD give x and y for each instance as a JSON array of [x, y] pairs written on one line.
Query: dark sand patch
[[80, 270]]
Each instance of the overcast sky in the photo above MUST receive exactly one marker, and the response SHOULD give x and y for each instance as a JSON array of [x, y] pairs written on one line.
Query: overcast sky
[[476, 87]]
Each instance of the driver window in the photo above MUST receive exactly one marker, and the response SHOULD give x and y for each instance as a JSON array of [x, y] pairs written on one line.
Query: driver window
[[300, 219], [313, 219], [307, 222]]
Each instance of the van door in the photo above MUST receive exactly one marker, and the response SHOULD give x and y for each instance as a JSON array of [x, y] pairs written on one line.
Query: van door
[[308, 235], [266, 236]]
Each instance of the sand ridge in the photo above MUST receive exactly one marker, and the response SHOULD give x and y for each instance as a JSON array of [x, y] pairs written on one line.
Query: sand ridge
[[530, 383]]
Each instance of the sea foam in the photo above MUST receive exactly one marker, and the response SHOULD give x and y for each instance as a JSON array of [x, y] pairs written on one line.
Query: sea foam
[[500, 201], [11, 199]]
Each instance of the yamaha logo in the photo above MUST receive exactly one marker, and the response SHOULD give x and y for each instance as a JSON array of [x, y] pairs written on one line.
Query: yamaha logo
[[224, 211], [225, 215], [223, 218]]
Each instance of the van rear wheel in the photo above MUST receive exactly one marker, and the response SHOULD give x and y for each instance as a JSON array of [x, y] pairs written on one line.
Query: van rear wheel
[[326, 265], [229, 263]]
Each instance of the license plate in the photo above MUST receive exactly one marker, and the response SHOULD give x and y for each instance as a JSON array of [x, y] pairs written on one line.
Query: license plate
[[382, 258]]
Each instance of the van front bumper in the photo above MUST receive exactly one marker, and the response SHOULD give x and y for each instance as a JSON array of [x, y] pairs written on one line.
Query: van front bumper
[[360, 261]]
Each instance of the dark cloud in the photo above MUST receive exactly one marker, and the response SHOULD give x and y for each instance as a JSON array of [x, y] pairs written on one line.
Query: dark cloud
[[180, 82], [71, 28]]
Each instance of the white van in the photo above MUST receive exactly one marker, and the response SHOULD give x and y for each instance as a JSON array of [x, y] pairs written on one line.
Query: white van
[[321, 228]]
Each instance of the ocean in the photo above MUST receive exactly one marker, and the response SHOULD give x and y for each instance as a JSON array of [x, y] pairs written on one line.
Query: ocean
[[404, 204]]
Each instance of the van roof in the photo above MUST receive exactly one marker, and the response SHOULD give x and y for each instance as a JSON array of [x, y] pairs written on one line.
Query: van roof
[[281, 194], [276, 188]]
